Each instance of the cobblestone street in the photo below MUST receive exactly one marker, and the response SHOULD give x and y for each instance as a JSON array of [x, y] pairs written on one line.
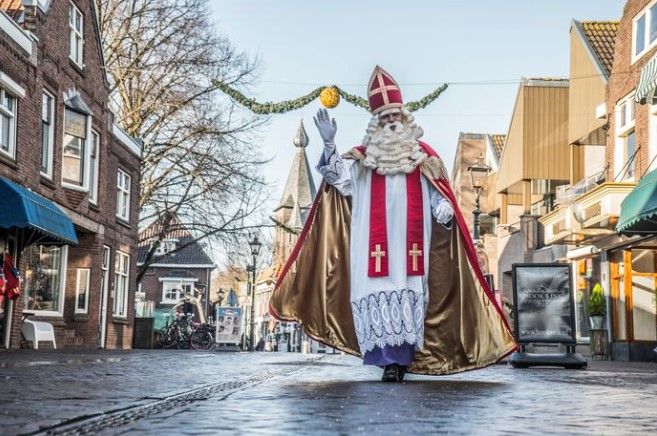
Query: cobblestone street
[[160, 392]]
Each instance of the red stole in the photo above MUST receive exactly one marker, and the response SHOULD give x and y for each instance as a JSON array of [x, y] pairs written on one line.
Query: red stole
[[378, 246]]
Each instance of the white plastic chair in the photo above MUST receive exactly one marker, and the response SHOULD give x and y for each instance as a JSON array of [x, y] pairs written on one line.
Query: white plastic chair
[[36, 331]]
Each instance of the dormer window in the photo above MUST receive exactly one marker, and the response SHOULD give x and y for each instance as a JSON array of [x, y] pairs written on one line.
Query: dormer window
[[76, 38], [166, 246]]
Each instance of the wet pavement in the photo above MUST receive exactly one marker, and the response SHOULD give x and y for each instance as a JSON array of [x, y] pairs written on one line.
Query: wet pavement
[[184, 392]]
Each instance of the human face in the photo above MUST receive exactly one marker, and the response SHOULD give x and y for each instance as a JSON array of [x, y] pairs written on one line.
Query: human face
[[389, 117]]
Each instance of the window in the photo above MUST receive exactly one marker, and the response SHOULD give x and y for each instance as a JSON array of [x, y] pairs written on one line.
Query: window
[[93, 167], [630, 153], [644, 29], [45, 277], [47, 133], [174, 289], [121, 284], [626, 147], [123, 195], [82, 290], [166, 246], [75, 142], [7, 124], [75, 23]]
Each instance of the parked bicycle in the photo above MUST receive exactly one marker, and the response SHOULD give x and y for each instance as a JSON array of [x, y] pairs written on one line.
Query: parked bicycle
[[184, 333]]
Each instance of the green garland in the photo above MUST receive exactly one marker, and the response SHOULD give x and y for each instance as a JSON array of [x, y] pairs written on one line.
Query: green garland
[[297, 103]]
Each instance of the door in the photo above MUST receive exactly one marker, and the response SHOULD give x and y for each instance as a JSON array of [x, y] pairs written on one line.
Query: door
[[633, 284], [104, 287]]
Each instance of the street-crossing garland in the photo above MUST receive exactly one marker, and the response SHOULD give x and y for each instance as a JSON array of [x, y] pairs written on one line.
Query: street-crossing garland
[[329, 97]]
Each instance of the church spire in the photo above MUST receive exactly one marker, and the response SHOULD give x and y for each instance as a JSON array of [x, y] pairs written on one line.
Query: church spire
[[296, 200], [299, 186], [301, 138]]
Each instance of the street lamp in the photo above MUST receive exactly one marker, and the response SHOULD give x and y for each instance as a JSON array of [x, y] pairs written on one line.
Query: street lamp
[[478, 175], [255, 250]]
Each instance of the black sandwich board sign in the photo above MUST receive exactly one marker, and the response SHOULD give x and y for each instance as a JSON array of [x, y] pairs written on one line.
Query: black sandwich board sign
[[543, 312]]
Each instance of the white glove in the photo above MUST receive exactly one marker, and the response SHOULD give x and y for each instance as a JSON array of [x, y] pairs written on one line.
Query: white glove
[[443, 212], [327, 128]]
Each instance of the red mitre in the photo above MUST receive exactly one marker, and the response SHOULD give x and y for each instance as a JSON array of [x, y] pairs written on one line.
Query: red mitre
[[383, 92]]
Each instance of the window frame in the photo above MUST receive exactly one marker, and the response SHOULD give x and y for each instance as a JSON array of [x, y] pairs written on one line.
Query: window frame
[[123, 194], [84, 154], [11, 152], [84, 310], [77, 34], [62, 290], [121, 259], [622, 109], [647, 44], [93, 166], [176, 281], [49, 154], [622, 133]]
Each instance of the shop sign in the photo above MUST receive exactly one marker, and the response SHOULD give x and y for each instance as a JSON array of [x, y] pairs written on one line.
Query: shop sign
[[543, 303]]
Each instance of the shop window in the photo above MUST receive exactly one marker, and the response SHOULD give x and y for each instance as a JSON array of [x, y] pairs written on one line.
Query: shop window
[[45, 279], [644, 279], [587, 276], [7, 123], [82, 290], [121, 284]]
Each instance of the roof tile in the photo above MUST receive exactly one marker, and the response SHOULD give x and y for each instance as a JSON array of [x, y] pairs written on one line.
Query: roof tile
[[13, 8], [498, 142], [601, 35]]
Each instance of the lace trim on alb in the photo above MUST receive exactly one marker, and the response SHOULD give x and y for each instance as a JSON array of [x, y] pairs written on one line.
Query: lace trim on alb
[[389, 318]]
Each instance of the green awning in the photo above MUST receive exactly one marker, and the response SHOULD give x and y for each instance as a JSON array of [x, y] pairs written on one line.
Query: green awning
[[647, 83], [639, 209]]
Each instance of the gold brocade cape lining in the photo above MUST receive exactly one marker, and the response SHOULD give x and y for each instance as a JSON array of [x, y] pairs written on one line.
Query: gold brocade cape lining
[[464, 328]]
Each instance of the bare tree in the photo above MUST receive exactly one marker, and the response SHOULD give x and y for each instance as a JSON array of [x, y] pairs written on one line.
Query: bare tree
[[164, 59]]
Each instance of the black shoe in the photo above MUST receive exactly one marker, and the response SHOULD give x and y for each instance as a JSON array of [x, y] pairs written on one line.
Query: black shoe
[[391, 373], [402, 372]]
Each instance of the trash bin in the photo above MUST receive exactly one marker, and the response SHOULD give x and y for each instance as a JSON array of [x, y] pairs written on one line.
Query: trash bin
[[143, 333]]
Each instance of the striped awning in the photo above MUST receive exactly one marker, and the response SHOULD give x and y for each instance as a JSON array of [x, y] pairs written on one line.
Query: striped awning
[[645, 90]]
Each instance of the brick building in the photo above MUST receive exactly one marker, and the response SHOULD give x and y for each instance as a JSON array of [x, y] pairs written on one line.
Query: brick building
[[180, 265], [66, 164], [606, 215], [631, 255]]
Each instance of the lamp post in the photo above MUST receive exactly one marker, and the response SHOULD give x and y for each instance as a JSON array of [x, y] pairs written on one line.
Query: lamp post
[[255, 250], [478, 174]]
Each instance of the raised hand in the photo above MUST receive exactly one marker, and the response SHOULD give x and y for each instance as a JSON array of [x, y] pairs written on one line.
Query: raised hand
[[327, 127]]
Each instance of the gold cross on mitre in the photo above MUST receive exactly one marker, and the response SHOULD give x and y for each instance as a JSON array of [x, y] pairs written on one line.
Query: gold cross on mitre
[[377, 254], [415, 252]]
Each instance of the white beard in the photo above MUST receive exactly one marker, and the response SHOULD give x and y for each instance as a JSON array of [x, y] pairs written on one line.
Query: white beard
[[395, 151]]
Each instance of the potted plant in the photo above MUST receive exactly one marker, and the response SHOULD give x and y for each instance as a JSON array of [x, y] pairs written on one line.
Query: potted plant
[[596, 307]]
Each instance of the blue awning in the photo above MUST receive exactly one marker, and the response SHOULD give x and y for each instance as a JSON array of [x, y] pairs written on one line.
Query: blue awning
[[23, 209]]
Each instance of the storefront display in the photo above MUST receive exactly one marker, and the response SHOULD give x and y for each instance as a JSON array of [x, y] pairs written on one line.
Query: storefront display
[[44, 278]]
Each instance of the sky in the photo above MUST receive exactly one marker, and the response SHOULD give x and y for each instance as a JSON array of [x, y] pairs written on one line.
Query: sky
[[422, 44]]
